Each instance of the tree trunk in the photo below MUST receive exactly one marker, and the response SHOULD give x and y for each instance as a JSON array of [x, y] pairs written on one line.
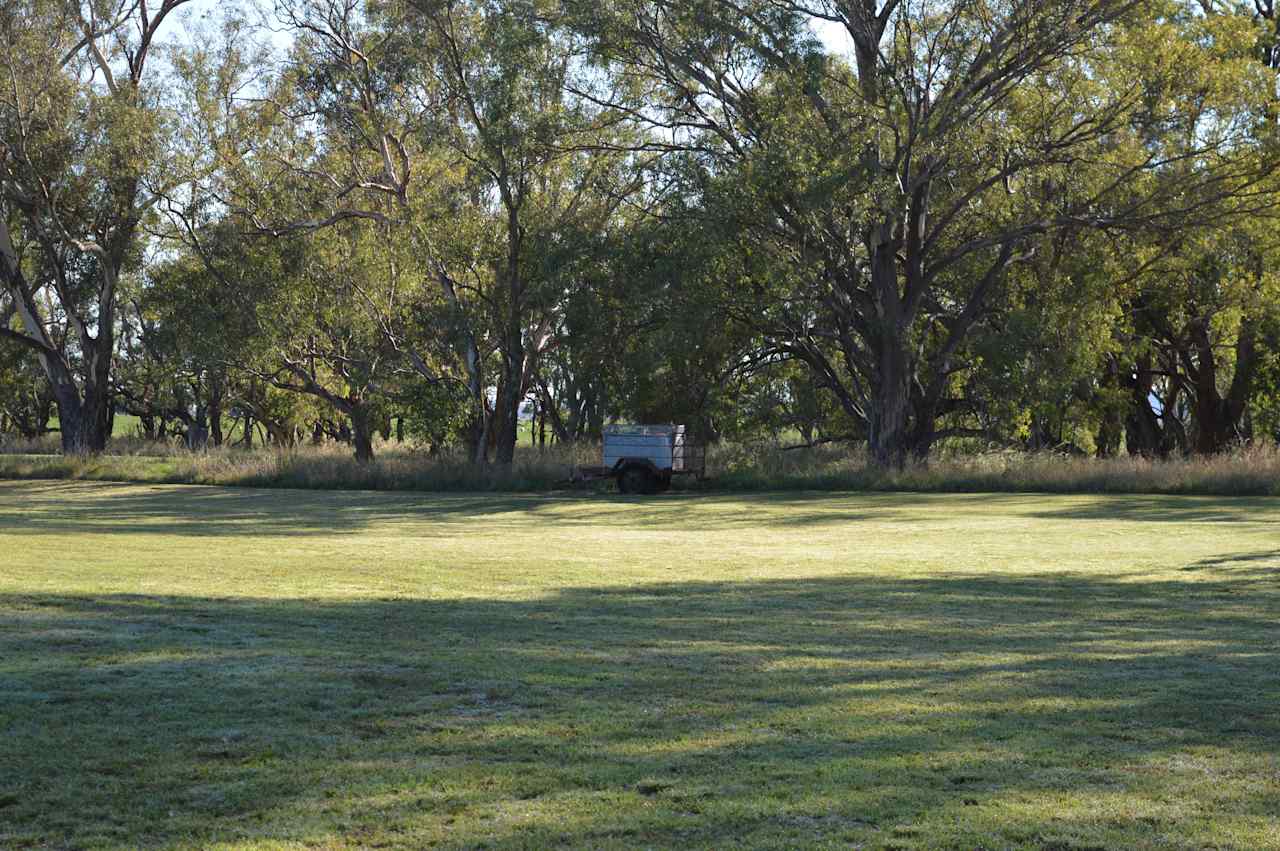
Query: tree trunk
[[198, 429], [95, 410], [71, 422], [550, 409], [1218, 419], [477, 435], [1142, 433], [215, 412], [280, 433], [83, 421], [362, 432], [888, 434], [1111, 425], [507, 410], [84, 414]]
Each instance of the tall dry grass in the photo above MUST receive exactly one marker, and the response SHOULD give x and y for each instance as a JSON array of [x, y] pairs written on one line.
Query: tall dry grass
[[1250, 471], [328, 467], [119, 445]]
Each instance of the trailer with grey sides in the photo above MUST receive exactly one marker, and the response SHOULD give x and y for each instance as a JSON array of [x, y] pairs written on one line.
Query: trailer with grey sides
[[643, 459]]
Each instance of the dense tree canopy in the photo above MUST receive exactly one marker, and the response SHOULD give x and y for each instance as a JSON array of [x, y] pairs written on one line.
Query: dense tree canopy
[[894, 223]]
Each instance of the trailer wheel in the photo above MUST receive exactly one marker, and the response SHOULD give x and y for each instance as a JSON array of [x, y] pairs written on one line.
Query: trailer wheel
[[637, 479]]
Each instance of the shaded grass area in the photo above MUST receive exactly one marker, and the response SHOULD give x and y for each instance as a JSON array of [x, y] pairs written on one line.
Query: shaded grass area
[[203, 667]]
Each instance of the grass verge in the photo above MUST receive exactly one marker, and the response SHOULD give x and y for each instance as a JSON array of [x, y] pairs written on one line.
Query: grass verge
[[732, 469]]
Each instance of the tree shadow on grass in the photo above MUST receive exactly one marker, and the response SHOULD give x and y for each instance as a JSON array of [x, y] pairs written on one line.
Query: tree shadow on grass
[[1262, 564], [1165, 509], [902, 712], [193, 510], [196, 511]]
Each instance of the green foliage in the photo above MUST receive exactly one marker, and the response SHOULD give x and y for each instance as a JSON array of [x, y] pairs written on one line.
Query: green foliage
[[1022, 225], [436, 414]]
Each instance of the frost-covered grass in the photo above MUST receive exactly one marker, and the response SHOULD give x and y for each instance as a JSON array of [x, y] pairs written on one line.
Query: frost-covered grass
[[191, 667]]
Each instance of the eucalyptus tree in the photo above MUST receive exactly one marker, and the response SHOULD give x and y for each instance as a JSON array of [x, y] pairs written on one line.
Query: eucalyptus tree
[[83, 124], [325, 344], [1194, 340], [26, 401], [882, 202], [154, 379], [289, 314], [303, 179], [449, 126], [539, 167], [186, 334]]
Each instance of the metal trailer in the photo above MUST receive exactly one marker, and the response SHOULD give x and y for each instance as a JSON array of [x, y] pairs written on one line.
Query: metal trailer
[[643, 459]]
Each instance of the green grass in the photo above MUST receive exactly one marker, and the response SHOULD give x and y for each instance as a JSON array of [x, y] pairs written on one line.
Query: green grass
[[228, 668]]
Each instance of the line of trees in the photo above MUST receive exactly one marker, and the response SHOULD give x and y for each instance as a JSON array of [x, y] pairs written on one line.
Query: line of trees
[[893, 222]]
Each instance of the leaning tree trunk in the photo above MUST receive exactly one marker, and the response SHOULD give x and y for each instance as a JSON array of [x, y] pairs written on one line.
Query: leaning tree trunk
[[84, 411]]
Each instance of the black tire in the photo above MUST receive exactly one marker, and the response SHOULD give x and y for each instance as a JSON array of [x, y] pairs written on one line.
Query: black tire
[[637, 479]]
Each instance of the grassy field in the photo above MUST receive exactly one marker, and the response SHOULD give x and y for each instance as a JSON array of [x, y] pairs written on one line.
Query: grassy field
[[229, 668]]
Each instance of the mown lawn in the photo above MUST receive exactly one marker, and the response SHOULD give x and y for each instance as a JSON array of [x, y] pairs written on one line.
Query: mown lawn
[[228, 668]]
